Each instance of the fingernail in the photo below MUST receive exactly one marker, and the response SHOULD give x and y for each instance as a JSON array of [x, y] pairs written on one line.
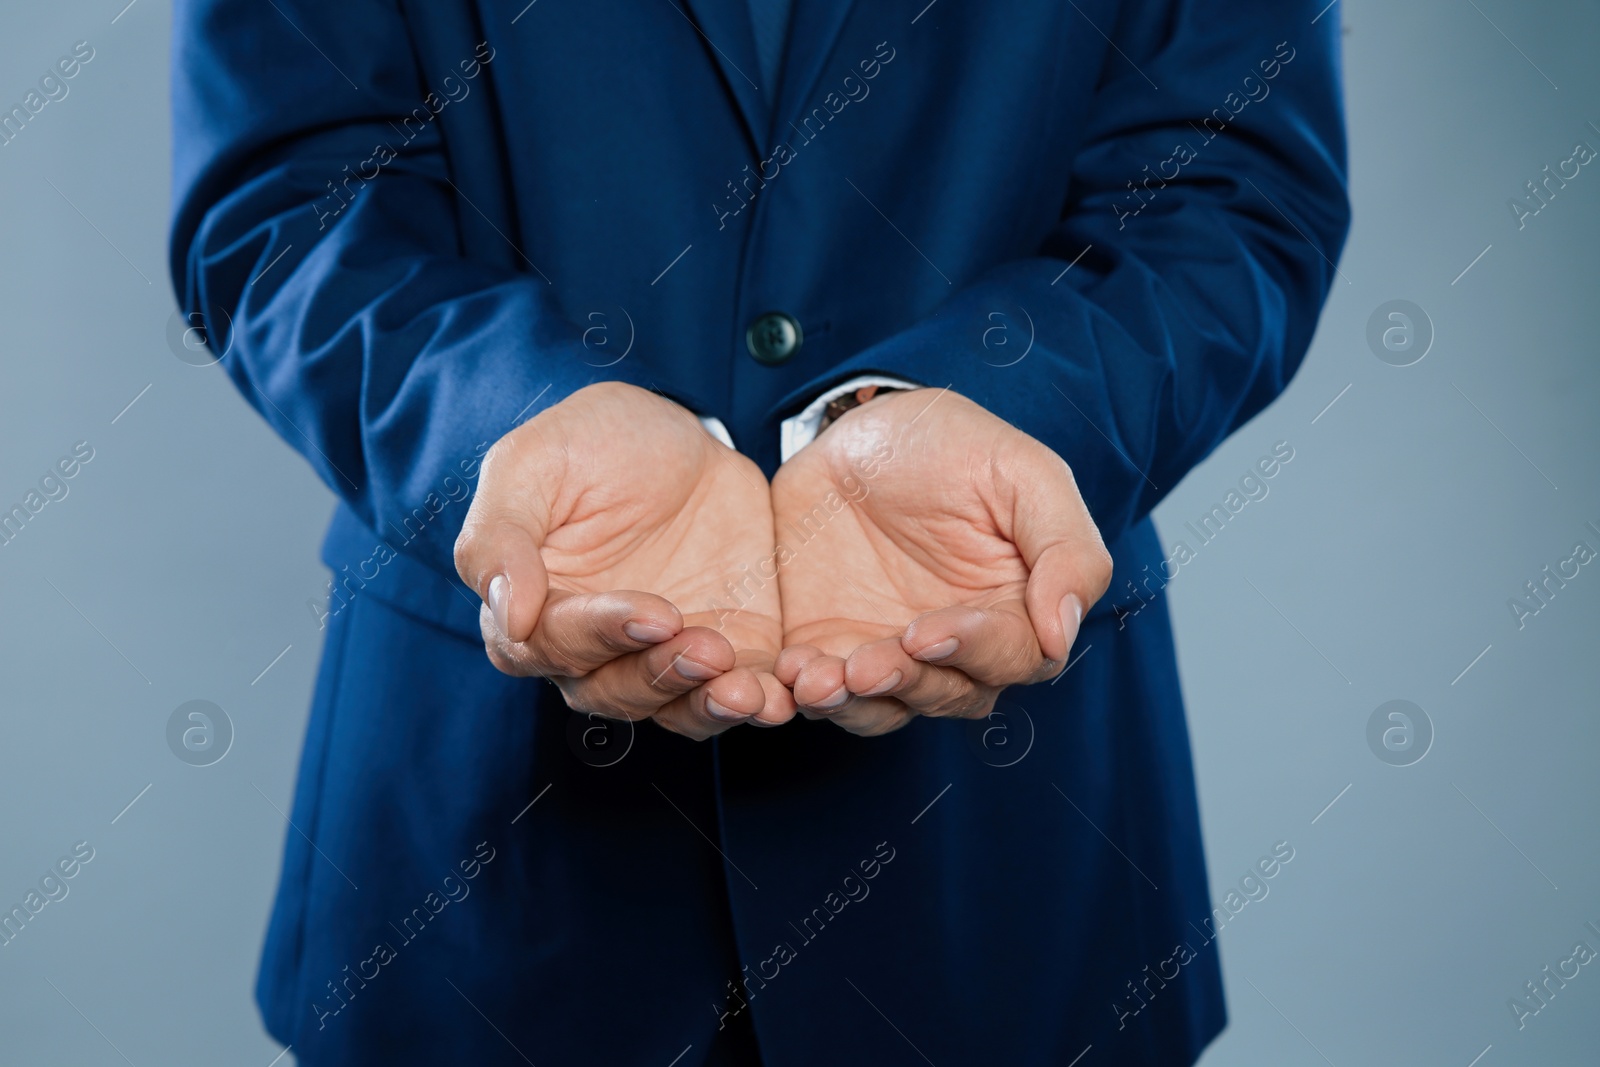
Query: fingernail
[[834, 699], [1071, 617], [722, 714], [500, 603], [884, 686], [646, 631], [696, 672], [943, 650]]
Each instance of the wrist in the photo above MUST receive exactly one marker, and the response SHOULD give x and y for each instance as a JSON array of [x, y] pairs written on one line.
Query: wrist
[[839, 405], [800, 430]]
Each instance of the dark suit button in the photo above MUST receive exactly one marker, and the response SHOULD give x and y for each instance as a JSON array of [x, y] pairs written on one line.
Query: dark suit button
[[773, 338]]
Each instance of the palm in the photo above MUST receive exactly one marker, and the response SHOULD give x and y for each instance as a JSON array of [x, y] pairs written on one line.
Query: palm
[[678, 526], [919, 532], [927, 553]]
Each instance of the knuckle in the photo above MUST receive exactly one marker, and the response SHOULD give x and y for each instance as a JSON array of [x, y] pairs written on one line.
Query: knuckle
[[1005, 666], [466, 551], [561, 654], [956, 700], [664, 685], [500, 455], [503, 661], [557, 663], [974, 699], [1026, 664], [574, 699], [588, 700], [974, 705], [1014, 663], [630, 697], [885, 723]]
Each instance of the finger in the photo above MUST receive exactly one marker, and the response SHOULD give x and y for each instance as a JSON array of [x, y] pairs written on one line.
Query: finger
[[792, 660], [580, 632], [715, 707], [819, 679], [872, 716], [503, 564], [993, 646], [639, 684], [1069, 567], [779, 707], [819, 686], [882, 669], [497, 551]]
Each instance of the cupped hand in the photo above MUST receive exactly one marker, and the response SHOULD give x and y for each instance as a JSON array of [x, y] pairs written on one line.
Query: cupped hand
[[930, 554], [602, 537]]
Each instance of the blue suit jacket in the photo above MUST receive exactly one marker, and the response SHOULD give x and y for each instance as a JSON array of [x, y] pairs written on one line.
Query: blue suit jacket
[[410, 225]]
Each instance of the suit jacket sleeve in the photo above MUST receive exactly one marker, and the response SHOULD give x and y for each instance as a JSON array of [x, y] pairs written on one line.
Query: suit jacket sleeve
[[349, 315], [1199, 263]]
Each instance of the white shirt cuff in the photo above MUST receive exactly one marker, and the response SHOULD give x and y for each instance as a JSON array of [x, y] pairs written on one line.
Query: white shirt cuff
[[715, 428], [800, 430]]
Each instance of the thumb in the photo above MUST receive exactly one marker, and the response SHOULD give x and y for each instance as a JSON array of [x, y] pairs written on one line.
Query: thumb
[[1068, 565], [497, 552]]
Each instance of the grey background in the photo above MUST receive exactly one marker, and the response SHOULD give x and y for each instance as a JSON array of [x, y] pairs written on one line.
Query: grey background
[[1378, 568]]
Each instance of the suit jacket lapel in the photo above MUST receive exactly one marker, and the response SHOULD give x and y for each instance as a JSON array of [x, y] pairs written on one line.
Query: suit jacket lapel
[[814, 27], [724, 27]]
